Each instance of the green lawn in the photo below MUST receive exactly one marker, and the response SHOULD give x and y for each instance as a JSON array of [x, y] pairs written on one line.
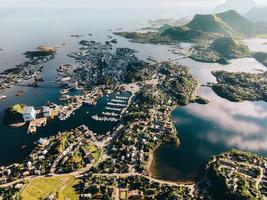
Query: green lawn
[[95, 151], [42, 188]]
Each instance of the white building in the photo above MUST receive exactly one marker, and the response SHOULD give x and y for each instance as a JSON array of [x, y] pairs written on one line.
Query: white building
[[29, 165], [46, 111], [65, 80], [29, 113]]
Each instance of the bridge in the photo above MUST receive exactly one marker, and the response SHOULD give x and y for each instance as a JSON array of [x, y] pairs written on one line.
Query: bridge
[[48, 84]]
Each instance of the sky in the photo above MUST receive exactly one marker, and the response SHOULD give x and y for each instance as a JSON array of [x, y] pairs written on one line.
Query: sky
[[143, 8], [112, 3]]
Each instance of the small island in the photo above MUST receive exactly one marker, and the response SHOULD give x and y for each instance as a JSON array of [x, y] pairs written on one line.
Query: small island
[[41, 51], [240, 86], [220, 51], [13, 115]]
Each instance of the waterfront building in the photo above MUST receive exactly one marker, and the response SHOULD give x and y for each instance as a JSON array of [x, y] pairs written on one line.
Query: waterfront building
[[47, 111], [29, 113], [65, 80], [29, 165]]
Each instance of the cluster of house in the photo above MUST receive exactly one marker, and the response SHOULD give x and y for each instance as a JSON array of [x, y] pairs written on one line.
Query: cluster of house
[[30, 166], [135, 141], [66, 76], [25, 71], [44, 160], [98, 61], [130, 187], [251, 168]]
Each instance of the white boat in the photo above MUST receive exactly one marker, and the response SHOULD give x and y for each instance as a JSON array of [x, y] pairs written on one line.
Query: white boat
[[3, 97]]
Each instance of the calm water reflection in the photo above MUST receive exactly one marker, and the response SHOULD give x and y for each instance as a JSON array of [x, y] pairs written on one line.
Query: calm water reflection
[[206, 130]]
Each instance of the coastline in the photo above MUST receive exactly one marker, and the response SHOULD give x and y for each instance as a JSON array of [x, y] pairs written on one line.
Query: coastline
[[176, 141], [149, 165]]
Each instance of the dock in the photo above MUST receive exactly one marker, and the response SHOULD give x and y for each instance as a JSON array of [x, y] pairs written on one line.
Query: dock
[[33, 125]]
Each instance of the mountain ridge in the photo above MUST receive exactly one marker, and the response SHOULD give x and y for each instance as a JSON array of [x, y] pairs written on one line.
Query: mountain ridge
[[229, 22]]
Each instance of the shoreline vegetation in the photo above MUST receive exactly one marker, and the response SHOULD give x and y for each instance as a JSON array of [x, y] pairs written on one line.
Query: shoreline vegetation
[[13, 115], [240, 86]]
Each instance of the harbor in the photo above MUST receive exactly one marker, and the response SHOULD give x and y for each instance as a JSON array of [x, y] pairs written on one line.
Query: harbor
[[114, 108]]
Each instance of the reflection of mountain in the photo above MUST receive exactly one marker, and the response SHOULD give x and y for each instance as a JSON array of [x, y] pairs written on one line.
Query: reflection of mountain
[[242, 6], [257, 14]]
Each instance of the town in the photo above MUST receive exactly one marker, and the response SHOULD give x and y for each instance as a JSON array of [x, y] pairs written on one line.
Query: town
[[141, 106], [118, 163]]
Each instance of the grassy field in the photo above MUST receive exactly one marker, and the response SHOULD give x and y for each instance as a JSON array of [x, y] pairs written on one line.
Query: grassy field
[[95, 151], [42, 188]]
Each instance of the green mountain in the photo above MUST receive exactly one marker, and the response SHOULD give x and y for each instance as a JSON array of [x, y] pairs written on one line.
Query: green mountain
[[209, 23], [210, 26], [230, 22], [229, 48], [237, 22]]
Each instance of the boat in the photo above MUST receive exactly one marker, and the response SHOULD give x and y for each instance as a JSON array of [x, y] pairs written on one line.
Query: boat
[[3, 97]]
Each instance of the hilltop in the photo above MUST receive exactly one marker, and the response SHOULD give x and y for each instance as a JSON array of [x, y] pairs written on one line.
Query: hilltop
[[220, 50], [230, 48], [209, 23], [230, 22]]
